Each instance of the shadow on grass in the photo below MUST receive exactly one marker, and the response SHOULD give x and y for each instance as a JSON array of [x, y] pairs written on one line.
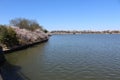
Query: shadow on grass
[[12, 72]]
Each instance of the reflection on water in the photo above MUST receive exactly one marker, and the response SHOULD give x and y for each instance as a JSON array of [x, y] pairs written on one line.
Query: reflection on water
[[12, 72], [70, 57]]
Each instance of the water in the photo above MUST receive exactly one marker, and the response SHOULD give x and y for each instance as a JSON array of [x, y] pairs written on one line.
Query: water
[[69, 57]]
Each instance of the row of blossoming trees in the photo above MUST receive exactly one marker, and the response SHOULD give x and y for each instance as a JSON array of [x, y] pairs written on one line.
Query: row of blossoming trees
[[21, 32]]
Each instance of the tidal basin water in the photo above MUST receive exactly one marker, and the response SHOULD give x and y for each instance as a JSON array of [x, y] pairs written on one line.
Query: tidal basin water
[[70, 57]]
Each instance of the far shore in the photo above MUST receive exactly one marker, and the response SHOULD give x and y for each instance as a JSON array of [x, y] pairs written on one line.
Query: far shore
[[86, 32]]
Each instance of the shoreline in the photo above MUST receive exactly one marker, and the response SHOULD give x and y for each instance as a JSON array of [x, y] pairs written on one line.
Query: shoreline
[[23, 47], [81, 33], [86, 32]]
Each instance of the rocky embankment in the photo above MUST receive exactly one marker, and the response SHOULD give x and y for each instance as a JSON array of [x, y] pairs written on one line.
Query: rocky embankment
[[27, 38]]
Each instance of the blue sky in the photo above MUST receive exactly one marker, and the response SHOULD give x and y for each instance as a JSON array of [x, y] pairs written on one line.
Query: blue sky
[[64, 14]]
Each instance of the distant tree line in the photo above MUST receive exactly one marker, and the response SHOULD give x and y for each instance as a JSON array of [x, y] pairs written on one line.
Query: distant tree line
[[87, 32]]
